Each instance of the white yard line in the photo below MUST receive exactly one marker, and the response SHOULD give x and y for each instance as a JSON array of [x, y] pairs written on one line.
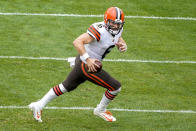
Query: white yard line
[[79, 15], [91, 108], [33, 58], [111, 60]]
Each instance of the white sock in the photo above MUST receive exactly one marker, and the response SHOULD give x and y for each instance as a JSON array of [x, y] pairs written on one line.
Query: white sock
[[50, 96], [103, 103], [47, 98]]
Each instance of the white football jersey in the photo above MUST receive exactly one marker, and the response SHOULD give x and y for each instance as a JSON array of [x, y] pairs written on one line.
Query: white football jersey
[[103, 42]]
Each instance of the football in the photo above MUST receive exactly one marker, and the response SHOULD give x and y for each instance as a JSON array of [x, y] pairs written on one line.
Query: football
[[100, 65], [96, 67]]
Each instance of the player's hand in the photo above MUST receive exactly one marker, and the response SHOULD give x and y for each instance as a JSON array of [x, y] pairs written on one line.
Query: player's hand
[[121, 46], [91, 64]]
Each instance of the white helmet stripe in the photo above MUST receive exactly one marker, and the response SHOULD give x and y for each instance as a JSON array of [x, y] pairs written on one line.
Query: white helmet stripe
[[118, 13]]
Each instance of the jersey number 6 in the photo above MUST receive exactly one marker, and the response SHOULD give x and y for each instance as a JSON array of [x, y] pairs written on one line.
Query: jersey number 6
[[107, 51]]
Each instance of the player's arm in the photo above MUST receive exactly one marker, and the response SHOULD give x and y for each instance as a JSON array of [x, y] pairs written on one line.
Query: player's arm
[[121, 45], [80, 41], [79, 45]]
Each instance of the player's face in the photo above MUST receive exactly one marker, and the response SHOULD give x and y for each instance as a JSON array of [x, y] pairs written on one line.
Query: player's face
[[115, 26]]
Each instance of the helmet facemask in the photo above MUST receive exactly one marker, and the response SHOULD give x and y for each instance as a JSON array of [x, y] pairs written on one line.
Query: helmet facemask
[[114, 27]]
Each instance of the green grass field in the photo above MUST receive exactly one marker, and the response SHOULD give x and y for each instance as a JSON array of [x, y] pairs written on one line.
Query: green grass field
[[145, 86]]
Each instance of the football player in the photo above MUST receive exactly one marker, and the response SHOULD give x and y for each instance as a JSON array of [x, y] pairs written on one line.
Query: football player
[[93, 45]]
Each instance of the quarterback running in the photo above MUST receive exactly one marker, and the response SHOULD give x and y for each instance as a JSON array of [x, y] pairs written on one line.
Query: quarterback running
[[92, 46]]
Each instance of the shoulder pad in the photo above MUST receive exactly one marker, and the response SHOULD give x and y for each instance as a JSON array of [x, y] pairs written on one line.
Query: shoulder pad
[[94, 31]]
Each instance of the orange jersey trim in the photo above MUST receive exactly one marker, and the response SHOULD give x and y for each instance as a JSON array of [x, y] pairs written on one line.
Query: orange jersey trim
[[94, 32]]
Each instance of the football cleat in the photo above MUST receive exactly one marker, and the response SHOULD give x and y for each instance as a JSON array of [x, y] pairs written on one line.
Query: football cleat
[[37, 112], [106, 115]]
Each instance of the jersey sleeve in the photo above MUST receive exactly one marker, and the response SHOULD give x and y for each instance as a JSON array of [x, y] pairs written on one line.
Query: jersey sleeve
[[93, 32]]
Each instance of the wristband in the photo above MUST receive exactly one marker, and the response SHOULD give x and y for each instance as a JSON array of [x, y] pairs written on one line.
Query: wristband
[[85, 56]]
